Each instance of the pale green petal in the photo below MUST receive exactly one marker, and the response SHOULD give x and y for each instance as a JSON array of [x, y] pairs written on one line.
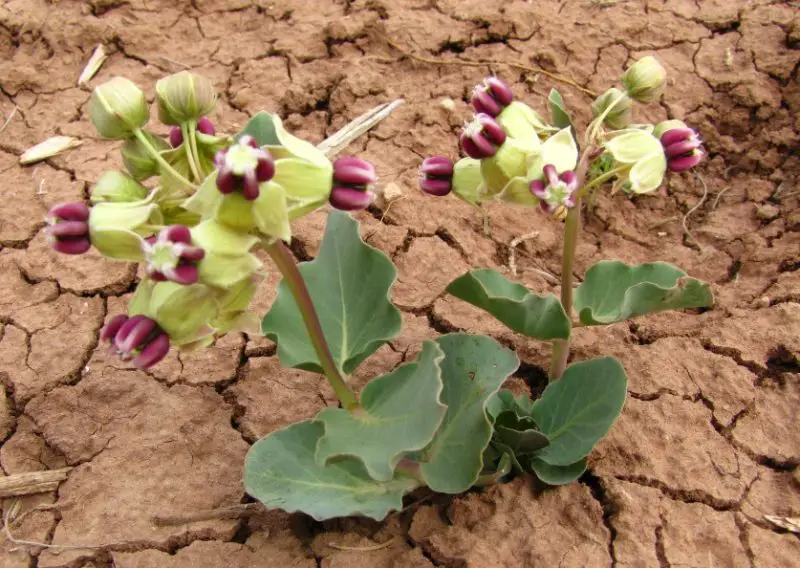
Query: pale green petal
[[298, 148], [467, 180], [299, 208], [225, 270], [138, 216], [182, 311], [237, 212], [216, 237], [141, 298], [633, 145], [561, 151], [232, 322], [510, 161], [120, 244], [518, 192], [647, 174], [304, 180], [270, 212], [238, 297], [522, 122], [203, 338], [206, 201]]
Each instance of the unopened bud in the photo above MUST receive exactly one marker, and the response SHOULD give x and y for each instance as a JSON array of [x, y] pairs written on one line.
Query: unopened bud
[[645, 80], [436, 176], [184, 97], [491, 97], [617, 116], [117, 108], [482, 137], [117, 187], [352, 178], [68, 228]]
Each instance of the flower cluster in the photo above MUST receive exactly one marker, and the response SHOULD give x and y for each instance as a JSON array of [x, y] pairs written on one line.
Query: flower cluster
[[194, 229], [513, 155]]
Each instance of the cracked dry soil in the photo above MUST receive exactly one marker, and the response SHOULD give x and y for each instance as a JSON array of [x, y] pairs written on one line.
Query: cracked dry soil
[[709, 441]]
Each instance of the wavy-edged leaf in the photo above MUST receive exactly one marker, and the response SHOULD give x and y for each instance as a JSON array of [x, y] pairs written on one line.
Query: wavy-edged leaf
[[400, 412], [281, 472], [558, 474], [513, 304], [519, 433], [613, 291], [473, 369], [349, 284], [577, 410]]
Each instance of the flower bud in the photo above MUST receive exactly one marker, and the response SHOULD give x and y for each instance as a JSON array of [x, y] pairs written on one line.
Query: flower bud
[[491, 97], [117, 187], [117, 108], [481, 137], [619, 115], [352, 178], [555, 191], [68, 230], [171, 256], [645, 80], [138, 160], [184, 97], [243, 166], [436, 176], [138, 338], [683, 149]]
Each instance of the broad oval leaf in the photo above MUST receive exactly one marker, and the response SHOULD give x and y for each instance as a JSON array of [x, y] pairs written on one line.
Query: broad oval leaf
[[557, 474], [349, 285], [578, 409], [262, 128], [541, 317], [558, 110], [400, 412], [613, 291], [473, 369], [281, 472]]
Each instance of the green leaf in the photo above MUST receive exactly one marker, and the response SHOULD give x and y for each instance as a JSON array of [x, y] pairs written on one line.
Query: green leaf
[[558, 110], [578, 409], [473, 369], [349, 284], [506, 400], [613, 291], [557, 474], [541, 317], [400, 412], [281, 472], [262, 128], [519, 433]]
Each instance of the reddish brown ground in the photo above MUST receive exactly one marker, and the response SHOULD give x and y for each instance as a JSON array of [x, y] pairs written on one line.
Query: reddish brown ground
[[709, 441]]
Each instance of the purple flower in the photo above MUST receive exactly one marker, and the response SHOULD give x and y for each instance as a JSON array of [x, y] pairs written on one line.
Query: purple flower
[[204, 125], [683, 149], [352, 178], [243, 166], [436, 176], [555, 191], [68, 228], [481, 137], [171, 256], [491, 97], [137, 336]]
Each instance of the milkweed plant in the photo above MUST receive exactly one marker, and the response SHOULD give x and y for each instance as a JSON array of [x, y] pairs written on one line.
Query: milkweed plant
[[193, 208]]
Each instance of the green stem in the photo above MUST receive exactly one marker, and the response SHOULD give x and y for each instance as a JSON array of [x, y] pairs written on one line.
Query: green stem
[[601, 179], [591, 132], [189, 147], [288, 268], [561, 346], [162, 162]]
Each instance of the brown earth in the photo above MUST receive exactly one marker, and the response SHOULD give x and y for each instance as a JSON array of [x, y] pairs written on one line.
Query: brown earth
[[709, 441]]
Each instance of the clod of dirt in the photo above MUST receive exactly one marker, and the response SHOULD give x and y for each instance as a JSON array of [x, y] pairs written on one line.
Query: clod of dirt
[[670, 443], [507, 525], [273, 397], [773, 493], [259, 551], [770, 428], [136, 440]]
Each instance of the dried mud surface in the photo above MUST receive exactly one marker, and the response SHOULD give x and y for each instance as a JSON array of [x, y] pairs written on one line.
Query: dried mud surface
[[709, 441]]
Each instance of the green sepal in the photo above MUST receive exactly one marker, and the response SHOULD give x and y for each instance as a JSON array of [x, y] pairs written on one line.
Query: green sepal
[[182, 310], [467, 180]]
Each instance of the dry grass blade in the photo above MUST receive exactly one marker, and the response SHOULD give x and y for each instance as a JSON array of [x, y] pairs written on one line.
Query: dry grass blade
[[791, 524], [355, 128], [93, 65], [10, 116], [232, 512], [32, 482], [372, 548], [696, 206], [47, 149]]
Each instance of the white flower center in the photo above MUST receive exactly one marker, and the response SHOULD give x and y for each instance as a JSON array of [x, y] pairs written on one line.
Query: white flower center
[[241, 159]]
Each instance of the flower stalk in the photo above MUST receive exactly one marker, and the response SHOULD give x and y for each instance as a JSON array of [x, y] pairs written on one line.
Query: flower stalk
[[288, 268], [139, 134]]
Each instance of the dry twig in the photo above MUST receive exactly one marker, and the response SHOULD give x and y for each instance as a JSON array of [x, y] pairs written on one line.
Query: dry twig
[[696, 206], [32, 482]]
